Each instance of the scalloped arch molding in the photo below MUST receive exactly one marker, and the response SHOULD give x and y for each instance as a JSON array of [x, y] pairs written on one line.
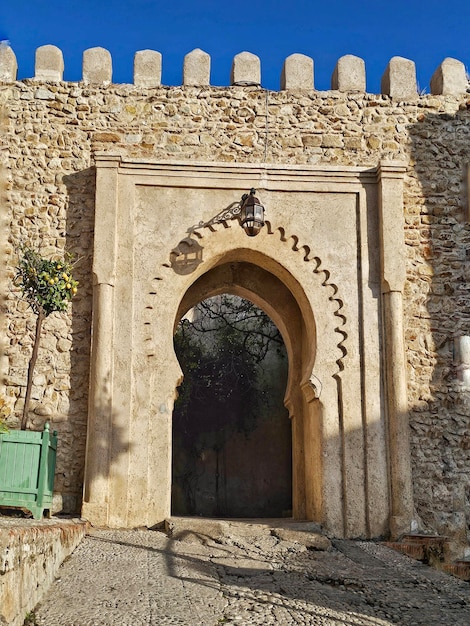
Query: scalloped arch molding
[[328, 268], [292, 242]]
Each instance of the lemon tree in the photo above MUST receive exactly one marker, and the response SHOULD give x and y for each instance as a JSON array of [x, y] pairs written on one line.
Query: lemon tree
[[47, 286]]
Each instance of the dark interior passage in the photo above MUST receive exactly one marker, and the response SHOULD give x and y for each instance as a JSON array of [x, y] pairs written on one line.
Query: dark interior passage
[[232, 443]]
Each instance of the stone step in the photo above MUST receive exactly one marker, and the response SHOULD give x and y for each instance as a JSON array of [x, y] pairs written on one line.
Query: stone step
[[432, 550], [413, 550], [203, 530], [425, 540], [459, 569]]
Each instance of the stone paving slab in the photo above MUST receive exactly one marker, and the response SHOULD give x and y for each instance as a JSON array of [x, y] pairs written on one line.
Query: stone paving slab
[[144, 578]]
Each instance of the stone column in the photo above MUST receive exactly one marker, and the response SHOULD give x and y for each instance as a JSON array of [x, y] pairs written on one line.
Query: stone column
[[312, 434], [95, 506], [392, 248], [95, 498]]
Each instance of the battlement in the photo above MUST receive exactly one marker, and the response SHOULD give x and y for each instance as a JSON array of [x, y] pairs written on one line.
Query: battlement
[[398, 81]]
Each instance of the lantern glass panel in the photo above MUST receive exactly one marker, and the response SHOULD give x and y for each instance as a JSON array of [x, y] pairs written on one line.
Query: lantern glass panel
[[252, 215]]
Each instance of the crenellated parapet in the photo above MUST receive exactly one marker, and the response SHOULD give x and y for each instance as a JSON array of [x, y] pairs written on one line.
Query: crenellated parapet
[[398, 81], [8, 65], [97, 68]]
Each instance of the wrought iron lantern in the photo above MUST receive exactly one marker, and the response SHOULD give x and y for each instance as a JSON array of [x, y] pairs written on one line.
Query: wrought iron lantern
[[251, 214]]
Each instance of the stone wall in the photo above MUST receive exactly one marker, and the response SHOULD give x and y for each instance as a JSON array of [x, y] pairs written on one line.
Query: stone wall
[[30, 557], [52, 129]]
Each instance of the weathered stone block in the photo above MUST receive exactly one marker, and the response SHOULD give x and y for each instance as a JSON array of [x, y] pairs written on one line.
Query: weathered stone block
[[349, 74], [353, 143], [399, 79], [197, 68], [44, 94], [97, 66], [49, 64], [450, 78], [147, 68], [297, 72], [8, 65], [374, 142], [312, 141], [107, 137], [332, 141], [311, 540], [246, 69]]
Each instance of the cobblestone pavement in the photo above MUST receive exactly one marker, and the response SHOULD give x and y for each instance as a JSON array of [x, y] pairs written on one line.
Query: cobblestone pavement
[[142, 577]]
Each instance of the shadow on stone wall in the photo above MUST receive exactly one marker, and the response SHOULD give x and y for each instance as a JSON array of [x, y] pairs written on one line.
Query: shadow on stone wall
[[437, 235], [79, 243], [105, 448], [80, 231]]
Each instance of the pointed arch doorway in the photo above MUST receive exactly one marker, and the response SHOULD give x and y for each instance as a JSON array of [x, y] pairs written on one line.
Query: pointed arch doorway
[[231, 434]]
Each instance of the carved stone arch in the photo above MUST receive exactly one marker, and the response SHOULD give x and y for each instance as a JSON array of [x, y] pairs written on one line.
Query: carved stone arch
[[350, 272], [330, 295], [255, 273], [265, 290]]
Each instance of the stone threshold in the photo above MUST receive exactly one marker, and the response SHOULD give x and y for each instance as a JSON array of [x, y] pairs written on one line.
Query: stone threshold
[[204, 530]]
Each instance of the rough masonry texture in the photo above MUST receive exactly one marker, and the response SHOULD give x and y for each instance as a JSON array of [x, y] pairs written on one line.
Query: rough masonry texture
[[396, 149], [29, 560]]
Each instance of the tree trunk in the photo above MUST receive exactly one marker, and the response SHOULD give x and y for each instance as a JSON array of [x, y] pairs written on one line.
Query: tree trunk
[[32, 363]]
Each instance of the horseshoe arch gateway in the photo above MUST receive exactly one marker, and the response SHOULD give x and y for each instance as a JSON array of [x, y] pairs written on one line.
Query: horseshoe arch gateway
[[328, 267]]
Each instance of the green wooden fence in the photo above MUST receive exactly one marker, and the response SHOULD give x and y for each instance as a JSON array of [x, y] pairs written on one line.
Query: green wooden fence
[[27, 467]]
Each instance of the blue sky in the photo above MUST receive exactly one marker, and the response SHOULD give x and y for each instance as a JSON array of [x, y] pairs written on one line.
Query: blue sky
[[425, 31]]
